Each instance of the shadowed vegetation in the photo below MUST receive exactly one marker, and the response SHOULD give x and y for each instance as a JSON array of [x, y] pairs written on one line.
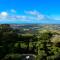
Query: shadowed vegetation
[[44, 44]]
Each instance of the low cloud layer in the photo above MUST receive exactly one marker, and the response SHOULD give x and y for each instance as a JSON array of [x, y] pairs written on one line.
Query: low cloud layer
[[27, 16], [36, 14]]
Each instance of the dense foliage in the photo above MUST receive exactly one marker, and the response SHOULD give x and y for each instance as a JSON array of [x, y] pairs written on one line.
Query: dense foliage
[[44, 45]]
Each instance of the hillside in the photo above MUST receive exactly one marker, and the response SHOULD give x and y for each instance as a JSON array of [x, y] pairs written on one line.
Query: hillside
[[41, 42]]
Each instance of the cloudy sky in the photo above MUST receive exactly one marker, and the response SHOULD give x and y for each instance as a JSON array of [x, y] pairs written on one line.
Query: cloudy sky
[[30, 11]]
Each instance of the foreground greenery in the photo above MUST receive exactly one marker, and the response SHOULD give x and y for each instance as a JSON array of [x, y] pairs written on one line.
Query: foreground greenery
[[44, 45]]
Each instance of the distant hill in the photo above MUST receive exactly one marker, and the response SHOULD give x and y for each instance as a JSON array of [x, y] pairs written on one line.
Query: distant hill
[[36, 26], [32, 28]]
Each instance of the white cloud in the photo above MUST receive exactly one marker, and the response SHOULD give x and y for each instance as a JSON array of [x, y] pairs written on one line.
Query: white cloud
[[28, 16], [13, 10], [40, 17], [36, 14], [31, 15], [4, 14], [21, 17]]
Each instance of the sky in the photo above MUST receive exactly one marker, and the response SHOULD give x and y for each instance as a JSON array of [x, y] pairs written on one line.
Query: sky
[[30, 11]]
